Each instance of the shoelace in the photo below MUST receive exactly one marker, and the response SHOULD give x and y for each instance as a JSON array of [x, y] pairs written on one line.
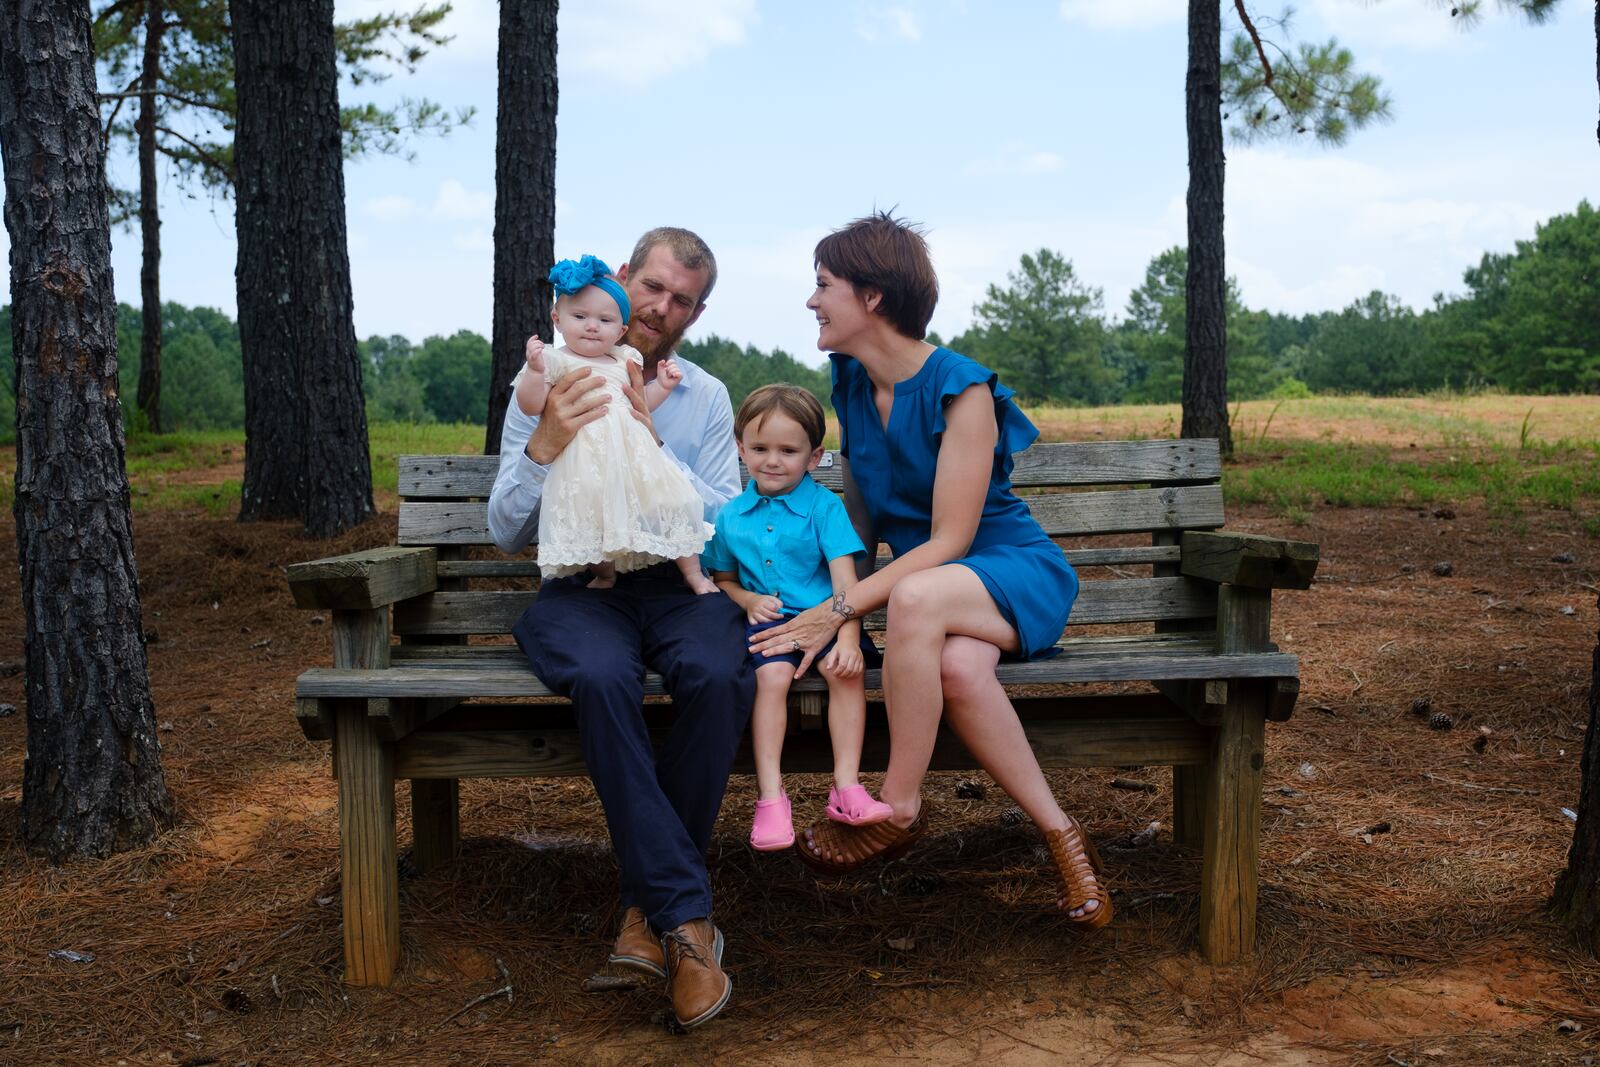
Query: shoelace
[[685, 947]]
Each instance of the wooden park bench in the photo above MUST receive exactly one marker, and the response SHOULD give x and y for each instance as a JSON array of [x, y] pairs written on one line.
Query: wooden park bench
[[408, 697]]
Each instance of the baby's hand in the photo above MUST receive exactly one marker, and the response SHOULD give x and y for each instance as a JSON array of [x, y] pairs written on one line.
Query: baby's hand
[[535, 354], [844, 661], [668, 374], [765, 609]]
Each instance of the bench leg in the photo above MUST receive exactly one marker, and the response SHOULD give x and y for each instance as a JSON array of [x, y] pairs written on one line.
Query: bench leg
[[366, 848], [1188, 806], [435, 821], [1228, 870]]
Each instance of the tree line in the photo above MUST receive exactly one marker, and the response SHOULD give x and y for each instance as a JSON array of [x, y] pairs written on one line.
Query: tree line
[[1527, 322]]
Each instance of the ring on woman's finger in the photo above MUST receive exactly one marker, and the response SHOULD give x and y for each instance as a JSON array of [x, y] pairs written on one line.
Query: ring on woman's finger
[[795, 645]]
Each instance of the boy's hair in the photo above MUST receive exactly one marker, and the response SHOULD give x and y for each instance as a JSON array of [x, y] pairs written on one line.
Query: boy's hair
[[686, 247], [797, 403], [890, 255]]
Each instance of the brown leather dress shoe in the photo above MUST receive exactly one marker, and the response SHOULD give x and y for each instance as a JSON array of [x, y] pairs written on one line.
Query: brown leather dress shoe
[[637, 948], [695, 981]]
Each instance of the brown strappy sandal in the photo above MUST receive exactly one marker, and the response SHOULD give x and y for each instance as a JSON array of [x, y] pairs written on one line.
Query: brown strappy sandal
[[858, 844], [1077, 868]]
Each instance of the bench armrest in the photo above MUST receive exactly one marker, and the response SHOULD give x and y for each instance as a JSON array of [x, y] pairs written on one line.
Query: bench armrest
[[1249, 560], [364, 580]]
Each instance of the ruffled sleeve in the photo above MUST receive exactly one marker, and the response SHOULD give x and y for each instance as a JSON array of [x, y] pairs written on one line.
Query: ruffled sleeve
[[845, 371], [958, 373], [626, 354], [555, 364]]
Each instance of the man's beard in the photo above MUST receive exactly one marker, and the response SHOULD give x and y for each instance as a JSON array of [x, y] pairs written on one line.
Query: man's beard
[[654, 347]]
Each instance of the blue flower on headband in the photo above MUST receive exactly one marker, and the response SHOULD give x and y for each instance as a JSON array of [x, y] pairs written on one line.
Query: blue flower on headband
[[568, 276]]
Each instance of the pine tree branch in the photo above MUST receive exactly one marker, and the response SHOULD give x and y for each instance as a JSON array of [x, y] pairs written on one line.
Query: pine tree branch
[[193, 101], [116, 9], [105, 134], [1250, 28], [200, 151]]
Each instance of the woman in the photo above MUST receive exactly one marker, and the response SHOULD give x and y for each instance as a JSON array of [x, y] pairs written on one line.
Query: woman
[[927, 436]]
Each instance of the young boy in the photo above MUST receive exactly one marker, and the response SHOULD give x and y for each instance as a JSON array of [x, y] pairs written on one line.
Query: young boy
[[786, 544]]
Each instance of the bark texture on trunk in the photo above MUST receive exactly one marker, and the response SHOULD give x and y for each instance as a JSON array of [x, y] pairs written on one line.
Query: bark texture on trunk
[[92, 781], [1576, 900], [525, 195], [149, 396], [1205, 349], [305, 419]]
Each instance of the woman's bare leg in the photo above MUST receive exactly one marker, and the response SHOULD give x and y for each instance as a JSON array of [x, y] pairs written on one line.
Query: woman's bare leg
[[924, 610]]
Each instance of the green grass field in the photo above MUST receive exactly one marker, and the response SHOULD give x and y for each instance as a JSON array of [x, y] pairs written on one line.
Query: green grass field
[[1507, 452]]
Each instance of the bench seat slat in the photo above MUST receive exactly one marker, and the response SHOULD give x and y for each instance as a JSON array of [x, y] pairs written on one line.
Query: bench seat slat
[[1060, 463], [1117, 601], [1176, 507], [512, 680]]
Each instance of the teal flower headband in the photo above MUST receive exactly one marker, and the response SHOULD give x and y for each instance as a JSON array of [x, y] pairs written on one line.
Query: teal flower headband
[[568, 276]]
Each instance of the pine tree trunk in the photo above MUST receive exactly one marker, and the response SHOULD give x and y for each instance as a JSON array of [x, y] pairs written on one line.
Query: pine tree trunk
[[92, 782], [525, 194], [305, 419], [149, 396], [1576, 900], [1205, 351]]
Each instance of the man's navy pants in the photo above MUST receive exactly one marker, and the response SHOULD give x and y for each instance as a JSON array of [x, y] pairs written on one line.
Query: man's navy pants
[[593, 647]]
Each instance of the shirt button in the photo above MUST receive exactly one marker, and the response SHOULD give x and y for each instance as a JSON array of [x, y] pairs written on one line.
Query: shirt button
[[769, 563], [769, 529]]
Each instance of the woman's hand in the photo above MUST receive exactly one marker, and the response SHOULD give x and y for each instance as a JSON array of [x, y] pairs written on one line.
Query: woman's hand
[[806, 633]]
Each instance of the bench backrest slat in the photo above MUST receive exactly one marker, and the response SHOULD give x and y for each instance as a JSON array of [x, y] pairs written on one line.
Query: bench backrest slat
[[1174, 507], [1050, 465]]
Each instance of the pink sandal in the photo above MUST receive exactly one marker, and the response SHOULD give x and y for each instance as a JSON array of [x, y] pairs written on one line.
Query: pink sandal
[[773, 827], [855, 806]]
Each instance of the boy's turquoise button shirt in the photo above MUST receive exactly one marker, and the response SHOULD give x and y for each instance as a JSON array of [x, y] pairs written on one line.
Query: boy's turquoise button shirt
[[780, 545]]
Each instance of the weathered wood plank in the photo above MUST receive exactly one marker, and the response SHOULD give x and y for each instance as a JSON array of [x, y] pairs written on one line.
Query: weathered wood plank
[[361, 639], [1188, 806], [1057, 463], [1244, 619], [516, 680], [359, 580], [1061, 514], [371, 895], [1228, 870], [1247, 559], [1057, 743], [435, 822], [1099, 602], [1121, 556], [315, 718]]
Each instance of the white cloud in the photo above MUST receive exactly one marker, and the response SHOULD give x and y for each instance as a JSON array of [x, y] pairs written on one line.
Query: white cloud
[[882, 23], [1124, 14], [456, 201], [1014, 160], [634, 42], [389, 208]]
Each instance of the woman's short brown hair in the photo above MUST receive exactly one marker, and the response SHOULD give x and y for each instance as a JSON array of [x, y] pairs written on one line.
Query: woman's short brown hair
[[797, 403], [888, 254]]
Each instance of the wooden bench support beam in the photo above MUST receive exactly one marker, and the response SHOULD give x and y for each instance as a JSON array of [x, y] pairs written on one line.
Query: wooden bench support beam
[[1188, 806], [435, 822], [371, 895], [1228, 869]]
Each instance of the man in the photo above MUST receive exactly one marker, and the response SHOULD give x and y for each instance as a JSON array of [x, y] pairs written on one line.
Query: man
[[594, 645]]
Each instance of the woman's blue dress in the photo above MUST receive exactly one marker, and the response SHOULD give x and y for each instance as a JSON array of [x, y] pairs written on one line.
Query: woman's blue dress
[[1024, 571]]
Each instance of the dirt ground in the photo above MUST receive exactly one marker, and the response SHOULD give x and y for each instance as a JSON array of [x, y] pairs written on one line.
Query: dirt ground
[[1424, 943]]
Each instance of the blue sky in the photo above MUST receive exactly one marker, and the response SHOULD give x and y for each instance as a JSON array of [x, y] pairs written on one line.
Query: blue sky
[[1003, 127]]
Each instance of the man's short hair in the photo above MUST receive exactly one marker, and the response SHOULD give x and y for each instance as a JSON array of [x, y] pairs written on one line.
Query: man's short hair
[[797, 403], [686, 247], [890, 255]]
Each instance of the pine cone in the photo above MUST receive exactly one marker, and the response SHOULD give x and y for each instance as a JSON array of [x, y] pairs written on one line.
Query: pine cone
[[1440, 721]]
